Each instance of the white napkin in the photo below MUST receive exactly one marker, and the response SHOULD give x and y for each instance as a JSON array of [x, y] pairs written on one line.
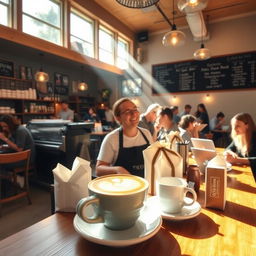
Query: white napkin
[[71, 185]]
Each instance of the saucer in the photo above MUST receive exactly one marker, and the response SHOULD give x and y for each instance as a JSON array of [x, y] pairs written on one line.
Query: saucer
[[187, 212], [145, 227]]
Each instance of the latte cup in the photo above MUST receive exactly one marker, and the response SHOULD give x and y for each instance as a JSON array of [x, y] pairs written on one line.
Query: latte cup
[[171, 192], [116, 199]]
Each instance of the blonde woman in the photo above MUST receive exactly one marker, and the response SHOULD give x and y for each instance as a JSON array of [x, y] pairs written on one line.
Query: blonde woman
[[242, 150]]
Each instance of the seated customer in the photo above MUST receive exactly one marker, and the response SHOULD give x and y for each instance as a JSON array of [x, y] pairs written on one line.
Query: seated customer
[[65, 113], [164, 123], [242, 150], [92, 115], [217, 122], [121, 149], [148, 118], [16, 136], [188, 128]]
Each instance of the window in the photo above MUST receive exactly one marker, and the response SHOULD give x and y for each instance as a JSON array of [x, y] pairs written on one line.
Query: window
[[122, 60], [106, 45], [43, 19], [82, 34], [5, 12]]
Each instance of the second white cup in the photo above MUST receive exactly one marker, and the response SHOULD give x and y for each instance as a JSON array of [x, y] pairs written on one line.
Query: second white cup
[[171, 192]]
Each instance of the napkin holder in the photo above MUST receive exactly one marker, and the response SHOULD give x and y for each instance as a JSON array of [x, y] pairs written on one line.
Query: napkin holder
[[71, 185]]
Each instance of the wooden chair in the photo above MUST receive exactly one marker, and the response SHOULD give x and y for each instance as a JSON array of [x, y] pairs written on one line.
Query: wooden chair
[[11, 175]]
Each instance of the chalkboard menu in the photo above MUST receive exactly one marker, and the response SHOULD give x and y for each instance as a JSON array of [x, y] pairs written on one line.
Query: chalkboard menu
[[237, 71]]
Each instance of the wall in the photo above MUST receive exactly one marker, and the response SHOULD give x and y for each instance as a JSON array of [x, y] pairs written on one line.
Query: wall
[[226, 37]]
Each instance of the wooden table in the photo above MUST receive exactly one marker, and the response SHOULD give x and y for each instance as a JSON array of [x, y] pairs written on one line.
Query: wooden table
[[213, 232]]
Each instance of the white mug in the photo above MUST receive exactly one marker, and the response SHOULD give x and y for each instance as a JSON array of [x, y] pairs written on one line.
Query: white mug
[[171, 192]]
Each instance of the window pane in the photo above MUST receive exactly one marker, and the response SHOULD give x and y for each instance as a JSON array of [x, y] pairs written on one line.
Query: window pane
[[122, 63], [106, 56], [81, 28], [46, 10], [106, 41], [81, 46], [3, 15], [5, 1], [41, 30]]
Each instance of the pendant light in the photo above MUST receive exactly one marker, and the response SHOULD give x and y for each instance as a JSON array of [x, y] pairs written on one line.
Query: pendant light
[[189, 6], [82, 86], [41, 76], [202, 53], [137, 3], [174, 37]]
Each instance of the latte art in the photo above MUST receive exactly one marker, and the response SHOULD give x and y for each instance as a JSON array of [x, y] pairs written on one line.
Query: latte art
[[118, 184]]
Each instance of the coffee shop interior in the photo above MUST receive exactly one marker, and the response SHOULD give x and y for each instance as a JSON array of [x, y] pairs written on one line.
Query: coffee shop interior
[[88, 55]]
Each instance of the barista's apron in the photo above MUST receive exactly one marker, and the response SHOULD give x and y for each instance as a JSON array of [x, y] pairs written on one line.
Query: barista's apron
[[131, 158]]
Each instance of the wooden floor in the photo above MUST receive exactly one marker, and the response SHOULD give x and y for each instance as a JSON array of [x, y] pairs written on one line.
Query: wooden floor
[[17, 215]]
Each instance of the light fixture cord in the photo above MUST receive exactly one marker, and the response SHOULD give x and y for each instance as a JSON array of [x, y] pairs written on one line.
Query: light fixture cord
[[173, 12], [163, 14]]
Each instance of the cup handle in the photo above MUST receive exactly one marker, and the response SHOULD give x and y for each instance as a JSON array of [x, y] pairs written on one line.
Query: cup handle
[[84, 202], [192, 191]]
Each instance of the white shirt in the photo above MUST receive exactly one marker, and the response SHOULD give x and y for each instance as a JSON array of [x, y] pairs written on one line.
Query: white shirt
[[110, 146]]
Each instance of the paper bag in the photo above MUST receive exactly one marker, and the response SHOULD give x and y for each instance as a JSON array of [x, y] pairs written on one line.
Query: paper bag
[[160, 161], [216, 183], [71, 185], [173, 138]]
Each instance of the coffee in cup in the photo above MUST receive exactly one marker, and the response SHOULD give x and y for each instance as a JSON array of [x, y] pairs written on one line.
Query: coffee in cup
[[117, 200], [171, 192]]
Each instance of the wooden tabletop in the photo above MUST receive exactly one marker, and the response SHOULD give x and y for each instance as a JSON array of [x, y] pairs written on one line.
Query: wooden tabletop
[[212, 232]]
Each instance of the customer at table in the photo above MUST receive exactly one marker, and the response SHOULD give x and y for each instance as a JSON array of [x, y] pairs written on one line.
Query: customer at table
[[92, 115], [217, 122], [16, 136], [175, 116], [164, 123], [65, 113], [242, 150], [187, 110], [148, 118], [121, 149], [189, 128], [202, 117]]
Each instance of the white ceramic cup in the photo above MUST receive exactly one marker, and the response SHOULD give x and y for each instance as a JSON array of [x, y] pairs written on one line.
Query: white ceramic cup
[[171, 192]]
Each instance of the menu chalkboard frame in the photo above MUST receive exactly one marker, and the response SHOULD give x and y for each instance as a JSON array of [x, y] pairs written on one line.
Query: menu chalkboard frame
[[169, 68]]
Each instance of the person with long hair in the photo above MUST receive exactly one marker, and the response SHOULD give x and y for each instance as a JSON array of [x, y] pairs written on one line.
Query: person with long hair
[[202, 117], [164, 123], [242, 150], [121, 149]]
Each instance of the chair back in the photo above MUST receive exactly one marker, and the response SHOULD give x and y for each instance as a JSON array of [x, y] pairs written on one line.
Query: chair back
[[16, 157]]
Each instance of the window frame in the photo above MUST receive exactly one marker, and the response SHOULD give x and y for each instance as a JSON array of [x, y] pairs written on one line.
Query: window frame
[[112, 33], [122, 39], [9, 13], [89, 20], [60, 29]]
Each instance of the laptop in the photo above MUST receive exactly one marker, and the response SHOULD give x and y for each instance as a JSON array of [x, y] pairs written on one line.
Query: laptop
[[202, 156], [203, 143]]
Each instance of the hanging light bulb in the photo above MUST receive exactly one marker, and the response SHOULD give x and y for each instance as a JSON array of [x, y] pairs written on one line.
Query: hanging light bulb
[[41, 76], [82, 86], [174, 37], [189, 6], [202, 53]]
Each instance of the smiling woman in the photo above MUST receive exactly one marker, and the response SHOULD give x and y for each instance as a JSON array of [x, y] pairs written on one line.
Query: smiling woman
[[121, 150]]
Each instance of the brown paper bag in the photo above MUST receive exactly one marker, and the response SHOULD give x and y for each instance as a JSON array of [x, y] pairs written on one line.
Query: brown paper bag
[[216, 183], [160, 161], [173, 138]]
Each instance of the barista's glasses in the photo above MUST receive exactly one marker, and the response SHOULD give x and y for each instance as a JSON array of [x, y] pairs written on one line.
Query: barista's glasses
[[129, 112]]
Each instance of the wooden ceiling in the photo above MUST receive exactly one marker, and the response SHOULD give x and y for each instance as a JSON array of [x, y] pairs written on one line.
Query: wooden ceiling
[[151, 20]]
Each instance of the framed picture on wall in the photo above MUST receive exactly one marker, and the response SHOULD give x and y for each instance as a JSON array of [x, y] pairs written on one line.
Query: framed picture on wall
[[131, 87], [57, 79], [29, 73], [23, 72], [65, 80], [6, 68]]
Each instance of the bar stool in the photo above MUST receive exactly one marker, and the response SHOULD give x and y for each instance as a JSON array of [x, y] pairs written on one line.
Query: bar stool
[[11, 175]]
